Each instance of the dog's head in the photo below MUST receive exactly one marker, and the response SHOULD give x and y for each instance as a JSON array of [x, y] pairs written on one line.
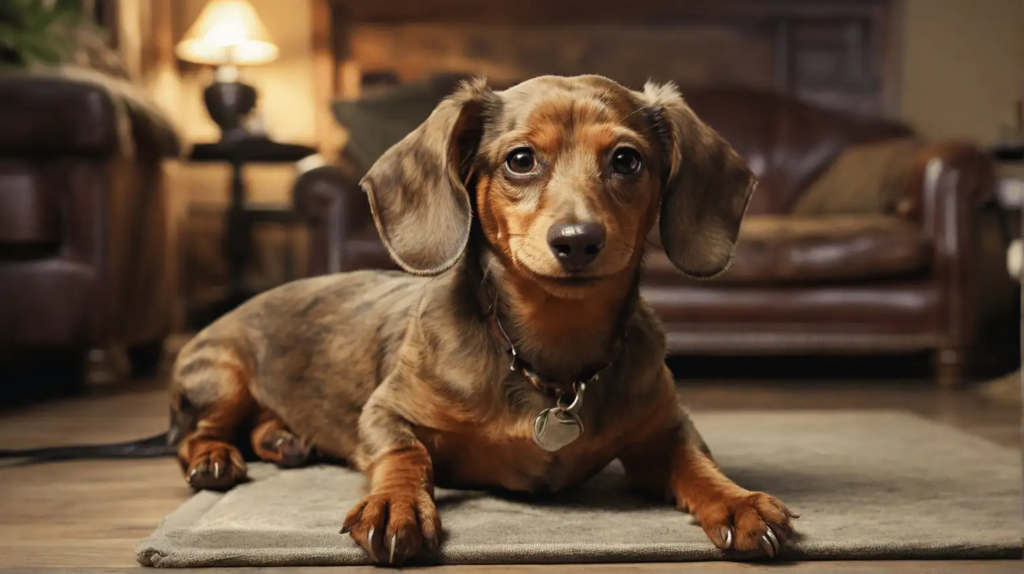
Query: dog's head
[[567, 177]]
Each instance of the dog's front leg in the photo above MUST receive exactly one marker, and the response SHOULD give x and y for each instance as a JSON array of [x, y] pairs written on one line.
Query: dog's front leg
[[398, 518], [670, 458]]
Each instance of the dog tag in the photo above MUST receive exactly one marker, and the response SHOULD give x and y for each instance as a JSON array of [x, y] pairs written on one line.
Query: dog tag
[[556, 428]]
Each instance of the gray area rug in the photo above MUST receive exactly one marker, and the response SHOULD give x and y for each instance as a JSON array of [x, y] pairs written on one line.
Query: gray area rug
[[878, 485]]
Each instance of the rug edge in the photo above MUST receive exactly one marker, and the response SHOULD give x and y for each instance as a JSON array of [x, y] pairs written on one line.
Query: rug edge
[[157, 543]]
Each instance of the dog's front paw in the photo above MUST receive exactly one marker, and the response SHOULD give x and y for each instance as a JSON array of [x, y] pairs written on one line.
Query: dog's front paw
[[395, 526], [214, 465], [748, 521]]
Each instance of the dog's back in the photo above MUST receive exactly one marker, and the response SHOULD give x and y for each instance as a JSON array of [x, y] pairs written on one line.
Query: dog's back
[[331, 338]]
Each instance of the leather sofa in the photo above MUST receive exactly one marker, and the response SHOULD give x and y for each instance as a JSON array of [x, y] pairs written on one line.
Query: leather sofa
[[828, 261], [84, 229]]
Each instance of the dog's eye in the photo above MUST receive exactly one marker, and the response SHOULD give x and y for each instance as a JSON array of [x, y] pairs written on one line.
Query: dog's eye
[[626, 161], [520, 161]]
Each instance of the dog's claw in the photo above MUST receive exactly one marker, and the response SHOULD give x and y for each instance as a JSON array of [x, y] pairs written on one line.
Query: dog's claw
[[369, 543], [769, 543], [199, 468], [727, 536], [391, 557], [216, 470]]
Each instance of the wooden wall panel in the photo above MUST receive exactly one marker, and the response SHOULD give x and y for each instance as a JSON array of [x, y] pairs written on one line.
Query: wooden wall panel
[[835, 52], [629, 54]]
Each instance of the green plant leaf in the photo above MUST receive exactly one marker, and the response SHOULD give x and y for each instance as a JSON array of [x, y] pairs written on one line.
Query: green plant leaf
[[35, 34]]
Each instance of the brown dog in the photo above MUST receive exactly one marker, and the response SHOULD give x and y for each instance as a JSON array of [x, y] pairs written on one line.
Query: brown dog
[[521, 216]]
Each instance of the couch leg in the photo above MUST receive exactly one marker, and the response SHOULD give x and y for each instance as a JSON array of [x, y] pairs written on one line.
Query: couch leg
[[949, 366], [46, 374], [145, 359]]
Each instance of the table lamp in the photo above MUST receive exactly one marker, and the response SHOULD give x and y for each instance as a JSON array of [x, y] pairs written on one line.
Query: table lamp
[[228, 34]]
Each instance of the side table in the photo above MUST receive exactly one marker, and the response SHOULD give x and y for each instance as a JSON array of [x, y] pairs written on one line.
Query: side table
[[1010, 195], [240, 216]]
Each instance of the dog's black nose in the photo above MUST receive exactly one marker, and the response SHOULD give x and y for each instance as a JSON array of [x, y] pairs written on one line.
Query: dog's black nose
[[575, 245]]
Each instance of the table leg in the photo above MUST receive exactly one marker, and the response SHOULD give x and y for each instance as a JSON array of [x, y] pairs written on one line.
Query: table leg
[[237, 239]]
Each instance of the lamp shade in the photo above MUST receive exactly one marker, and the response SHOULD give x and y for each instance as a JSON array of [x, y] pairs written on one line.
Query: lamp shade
[[227, 33]]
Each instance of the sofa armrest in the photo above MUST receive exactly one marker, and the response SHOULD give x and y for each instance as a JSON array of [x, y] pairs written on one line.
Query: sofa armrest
[[80, 113], [949, 184], [331, 203], [940, 172]]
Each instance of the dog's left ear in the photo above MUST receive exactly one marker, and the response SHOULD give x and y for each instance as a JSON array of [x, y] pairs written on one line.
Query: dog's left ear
[[707, 186], [416, 190]]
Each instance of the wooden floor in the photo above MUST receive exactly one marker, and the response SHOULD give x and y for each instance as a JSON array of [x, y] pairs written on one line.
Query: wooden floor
[[89, 515]]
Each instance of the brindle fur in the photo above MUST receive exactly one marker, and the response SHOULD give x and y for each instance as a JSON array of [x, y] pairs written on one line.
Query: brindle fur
[[398, 373]]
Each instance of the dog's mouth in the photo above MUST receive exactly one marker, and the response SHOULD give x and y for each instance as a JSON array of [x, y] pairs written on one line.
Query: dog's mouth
[[571, 280], [557, 278]]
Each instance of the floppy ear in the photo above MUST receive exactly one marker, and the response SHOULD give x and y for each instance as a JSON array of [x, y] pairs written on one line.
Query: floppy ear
[[419, 202], [707, 187]]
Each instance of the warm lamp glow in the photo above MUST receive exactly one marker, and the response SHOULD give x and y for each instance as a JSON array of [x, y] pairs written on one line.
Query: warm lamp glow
[[227, 33]]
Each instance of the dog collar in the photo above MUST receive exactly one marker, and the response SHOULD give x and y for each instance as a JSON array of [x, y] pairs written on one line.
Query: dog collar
[[558, 426], [546, 385]]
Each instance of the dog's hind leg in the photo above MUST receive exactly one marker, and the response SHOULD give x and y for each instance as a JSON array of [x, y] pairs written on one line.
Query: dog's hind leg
[[210, 404], [273, 442]]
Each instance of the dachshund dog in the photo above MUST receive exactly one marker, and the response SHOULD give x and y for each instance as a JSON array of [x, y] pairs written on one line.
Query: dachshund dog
[[520, 217]]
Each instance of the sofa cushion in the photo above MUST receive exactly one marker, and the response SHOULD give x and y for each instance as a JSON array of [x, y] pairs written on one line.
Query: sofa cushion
[[792, 249], [864, 179], [47, 302], [28, 210]]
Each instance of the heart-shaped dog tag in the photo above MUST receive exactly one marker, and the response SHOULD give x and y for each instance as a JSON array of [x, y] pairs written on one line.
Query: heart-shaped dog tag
[[555, 428]]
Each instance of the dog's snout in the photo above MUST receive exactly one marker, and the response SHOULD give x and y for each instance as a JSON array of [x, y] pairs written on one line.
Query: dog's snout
[[576, 245]]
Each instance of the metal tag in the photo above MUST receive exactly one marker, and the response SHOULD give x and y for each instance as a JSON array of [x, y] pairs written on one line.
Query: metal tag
[[555, 429], [559, 426]]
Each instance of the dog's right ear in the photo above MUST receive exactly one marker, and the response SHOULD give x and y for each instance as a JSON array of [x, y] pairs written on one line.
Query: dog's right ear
[[417, 191]]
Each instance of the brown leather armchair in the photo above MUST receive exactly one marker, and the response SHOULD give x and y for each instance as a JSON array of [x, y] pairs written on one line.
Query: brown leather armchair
[[860, 239], [84, 232]]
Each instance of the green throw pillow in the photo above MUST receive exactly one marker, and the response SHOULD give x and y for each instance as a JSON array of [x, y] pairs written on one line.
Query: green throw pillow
[[383, 116]]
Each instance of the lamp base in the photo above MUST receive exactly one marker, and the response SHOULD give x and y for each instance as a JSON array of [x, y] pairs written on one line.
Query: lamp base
[[229, 102]]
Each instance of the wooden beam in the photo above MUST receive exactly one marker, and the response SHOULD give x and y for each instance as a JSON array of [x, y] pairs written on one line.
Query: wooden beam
[[592, 11], [329, 136]]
